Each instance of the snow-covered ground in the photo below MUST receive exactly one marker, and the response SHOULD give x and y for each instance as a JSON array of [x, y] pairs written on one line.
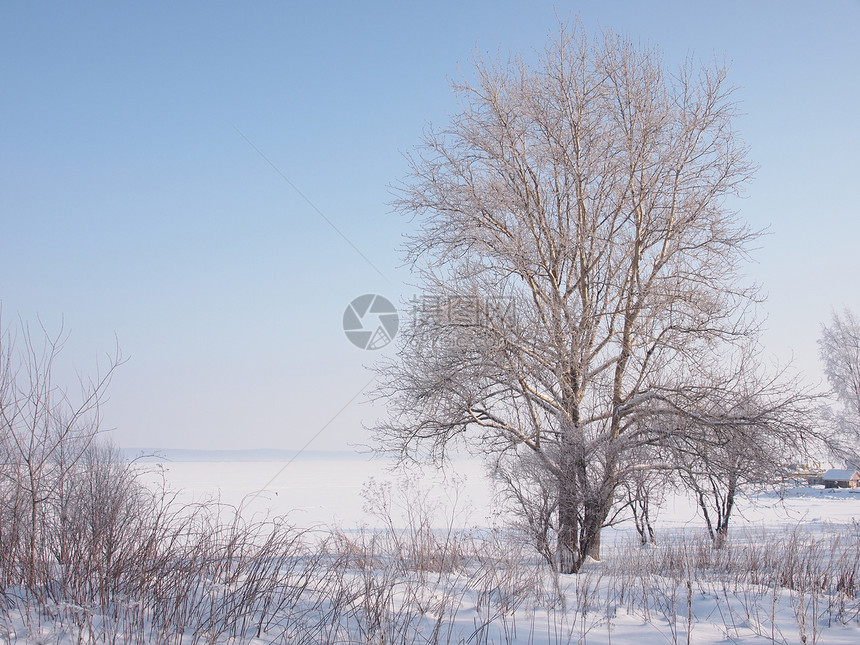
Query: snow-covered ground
[[320, 489], [330, 490], [791, 572], [326, 489]]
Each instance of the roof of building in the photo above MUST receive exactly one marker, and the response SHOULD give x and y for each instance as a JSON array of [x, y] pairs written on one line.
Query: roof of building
[[839, 474]]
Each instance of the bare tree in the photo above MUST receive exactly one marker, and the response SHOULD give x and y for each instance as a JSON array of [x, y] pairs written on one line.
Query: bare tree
[[576, 212], [644, 492], [44, 432], [532, 497], [756, 425], [839, 349]]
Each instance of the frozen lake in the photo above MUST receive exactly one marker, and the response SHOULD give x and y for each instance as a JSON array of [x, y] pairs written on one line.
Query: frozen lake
[[324, 489]]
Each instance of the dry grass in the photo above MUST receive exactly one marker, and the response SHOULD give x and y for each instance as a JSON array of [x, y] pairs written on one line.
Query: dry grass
[[119, 563]]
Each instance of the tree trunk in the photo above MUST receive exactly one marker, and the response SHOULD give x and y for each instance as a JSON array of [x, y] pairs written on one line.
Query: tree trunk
[[568, 526], [570, 499], [576, 540], [720, 536], [723, 526], [595, 515], [581, 513], [594, 545]]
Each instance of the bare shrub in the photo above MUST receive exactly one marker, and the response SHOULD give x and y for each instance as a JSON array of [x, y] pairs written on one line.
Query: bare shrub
[[45, 430], [409, 515]]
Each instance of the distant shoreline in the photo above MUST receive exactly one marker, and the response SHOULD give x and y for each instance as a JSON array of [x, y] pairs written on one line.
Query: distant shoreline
[[156, 455]]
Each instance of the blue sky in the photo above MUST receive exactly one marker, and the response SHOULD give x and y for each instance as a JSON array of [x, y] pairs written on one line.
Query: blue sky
[[133, 208]]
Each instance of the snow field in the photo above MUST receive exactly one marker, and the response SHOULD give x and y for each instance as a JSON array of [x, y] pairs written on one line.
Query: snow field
[[371, 556]]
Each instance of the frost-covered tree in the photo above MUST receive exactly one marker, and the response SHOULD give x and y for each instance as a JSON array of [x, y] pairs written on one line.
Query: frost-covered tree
[[839, 349], [579, 266], [756, 426]]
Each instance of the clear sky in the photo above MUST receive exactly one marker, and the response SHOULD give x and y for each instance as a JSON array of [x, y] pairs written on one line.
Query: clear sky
[[132, 205]]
